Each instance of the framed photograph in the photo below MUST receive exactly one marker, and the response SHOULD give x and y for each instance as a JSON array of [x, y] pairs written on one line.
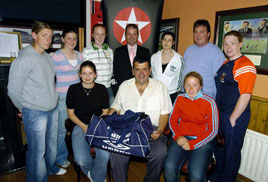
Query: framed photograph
[[10, 44], [252, 23], [26, 37], [171, 25]]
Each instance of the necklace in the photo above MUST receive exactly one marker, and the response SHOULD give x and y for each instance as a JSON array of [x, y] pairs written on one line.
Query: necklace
[[87, 92]]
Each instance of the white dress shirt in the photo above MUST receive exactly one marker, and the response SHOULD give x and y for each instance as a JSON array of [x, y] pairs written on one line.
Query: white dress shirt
[[154, 101]]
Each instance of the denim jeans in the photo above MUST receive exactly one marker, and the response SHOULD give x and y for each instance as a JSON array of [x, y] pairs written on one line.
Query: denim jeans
[[41, 134], [82, 156], [111, 95], [62, 152], [198, 162]]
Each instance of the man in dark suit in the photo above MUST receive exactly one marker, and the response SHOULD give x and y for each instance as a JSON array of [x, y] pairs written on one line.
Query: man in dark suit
[[263, 28], [245, 31], [124, 55]]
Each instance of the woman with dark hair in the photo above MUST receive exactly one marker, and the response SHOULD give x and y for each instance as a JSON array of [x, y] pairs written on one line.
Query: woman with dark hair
[[194, 124], [67, 62], [234, 82], [31, 88], [167, 66], [83, 100]]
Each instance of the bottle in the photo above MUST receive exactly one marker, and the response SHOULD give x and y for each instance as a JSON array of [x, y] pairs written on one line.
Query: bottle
[[12, 56]]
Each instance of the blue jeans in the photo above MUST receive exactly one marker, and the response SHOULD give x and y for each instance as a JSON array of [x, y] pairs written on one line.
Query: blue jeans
[[41, 134], [62, 152], [198, 162], [111, 95], [82, 156]]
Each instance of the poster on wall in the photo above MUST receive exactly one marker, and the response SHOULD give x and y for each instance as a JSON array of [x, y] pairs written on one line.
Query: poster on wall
[[169, 25], [252, 23], [12, 44], [254, 31], [146, 14]]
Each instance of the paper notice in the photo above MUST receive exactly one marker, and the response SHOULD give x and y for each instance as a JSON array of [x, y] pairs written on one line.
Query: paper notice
[[255, 59]]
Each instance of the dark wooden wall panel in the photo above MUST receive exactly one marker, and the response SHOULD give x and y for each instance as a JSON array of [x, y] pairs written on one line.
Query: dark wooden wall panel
[[259, 115]]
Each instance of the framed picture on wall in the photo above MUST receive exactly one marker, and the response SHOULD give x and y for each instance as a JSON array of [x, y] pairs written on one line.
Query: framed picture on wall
[[252, 23], [12, 45], [171, 25], [26, 36]]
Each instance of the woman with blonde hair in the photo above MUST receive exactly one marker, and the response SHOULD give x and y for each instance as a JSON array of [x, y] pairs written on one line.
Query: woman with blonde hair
[[31, 88], [194, 124]]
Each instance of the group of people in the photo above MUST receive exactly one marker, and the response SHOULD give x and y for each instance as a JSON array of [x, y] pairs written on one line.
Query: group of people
[[84, 88]]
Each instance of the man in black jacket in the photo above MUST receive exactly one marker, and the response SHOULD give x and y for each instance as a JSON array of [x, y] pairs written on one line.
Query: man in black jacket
[[124, 56]]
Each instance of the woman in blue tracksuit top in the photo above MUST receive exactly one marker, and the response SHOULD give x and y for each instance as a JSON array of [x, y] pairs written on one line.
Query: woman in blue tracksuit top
[[234, 82]]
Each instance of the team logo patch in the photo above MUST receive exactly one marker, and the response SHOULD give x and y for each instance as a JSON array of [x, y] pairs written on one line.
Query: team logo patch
[[222, 77], [107, 53], [132, 15]]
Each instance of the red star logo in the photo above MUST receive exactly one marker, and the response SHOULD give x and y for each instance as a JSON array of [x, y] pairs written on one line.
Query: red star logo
[[132, 15]]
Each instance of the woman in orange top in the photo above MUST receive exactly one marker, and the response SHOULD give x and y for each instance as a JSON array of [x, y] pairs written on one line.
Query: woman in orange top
[[234, 82], [194, 125]]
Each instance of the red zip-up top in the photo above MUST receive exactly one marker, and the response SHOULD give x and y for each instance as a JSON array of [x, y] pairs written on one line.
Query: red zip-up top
[[197, 118]]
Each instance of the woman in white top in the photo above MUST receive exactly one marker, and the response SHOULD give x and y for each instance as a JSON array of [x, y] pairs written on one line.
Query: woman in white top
[[167, 65]]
